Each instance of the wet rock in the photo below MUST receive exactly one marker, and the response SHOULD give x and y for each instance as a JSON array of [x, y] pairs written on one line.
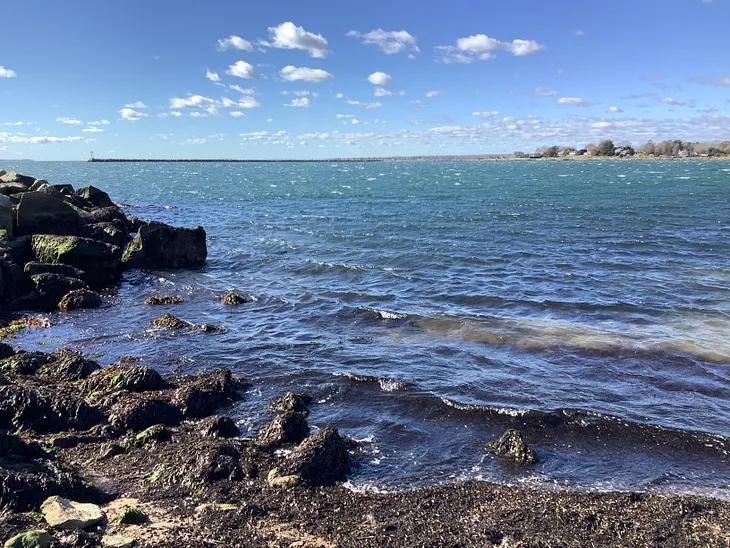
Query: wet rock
[[168, 321], [201, 395], [37, 538], [65, 189], [49, 290], [110, 450], [321, 459], [44, 410], [95, 196], [286, 428], [106, 215], [512, 446], [6, 214], [134, 378], [68, 366], [11, 189], [219, 426], [44, 188], [158, 246], [62, 513], [294, 402], [26, 363], [80, 299], [99, 261], [157, 300], [139, 413], [275, 479], [15, 177], [34, 268], [135, 224], [41, 213], [108, 233], [154, 434], [6, 351], [234, 298], [215, 464]]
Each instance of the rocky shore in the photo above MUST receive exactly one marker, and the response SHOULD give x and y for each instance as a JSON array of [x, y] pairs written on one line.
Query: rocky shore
[[121, 456]]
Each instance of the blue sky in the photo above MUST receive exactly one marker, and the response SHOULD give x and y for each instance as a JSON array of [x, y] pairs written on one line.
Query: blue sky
[[324, 79]]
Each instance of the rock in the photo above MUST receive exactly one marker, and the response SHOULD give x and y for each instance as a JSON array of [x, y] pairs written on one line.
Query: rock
[[44, 410], [294, 402], [135, 224], [40, 213], [285, 429], [99, 261], [62, 513], [107, 232], [69, 366], [139, 413], [134, 378], [219, 426], [168, 321], [321, 459], [157, 300], [110, 450], [6, 214], [66, 190], [94, 196], [79, 299], [26, 363], [34, 268], [6, 351], [10, 189], [153, 434], [275, 479], [117, 541], [50, 289], [44, 188], [37, 538], [205, 393], [133, 516], [14, 177], [11, 444], [215, 464], [159, 246], [511, 446], [234, 298]]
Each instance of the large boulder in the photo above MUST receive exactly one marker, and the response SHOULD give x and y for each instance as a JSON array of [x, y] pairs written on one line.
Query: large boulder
[[6, 215], [50, 289], [62, 513], [108, 232], [134, 378], [159, 246], [287, 428], [79, 299], [15, 177], [34, 268], [321, 459], [37, 538], [94, 196], [41, 213], [98, 260], [9, 189]]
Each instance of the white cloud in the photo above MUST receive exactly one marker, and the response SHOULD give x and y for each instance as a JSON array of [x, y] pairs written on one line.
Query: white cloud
[[380, 79], [7, 73], [136, 104], [543, 92], [340, 96], [355, 121], [401, 93], [389, 41], [38, 139], [486, 115], [430, 94], [269, 120], [176, 113], [242, 69], [419, 103], [212, 76], [244, 91], [300, 102], [376, 104], [131, 115], [614, 110], [340, 116], [69, 121], [719, 82], [292, 74], [382, 92], [289, 36], [92, 130], [482, 47], [235, 42], [245, 102], [574, 101], [671, 102], [99, 123], [12, 123], [193, 101], [300, 93], [237, 114]]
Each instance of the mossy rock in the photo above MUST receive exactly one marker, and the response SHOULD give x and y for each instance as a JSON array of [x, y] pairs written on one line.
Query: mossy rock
[[133, 516]]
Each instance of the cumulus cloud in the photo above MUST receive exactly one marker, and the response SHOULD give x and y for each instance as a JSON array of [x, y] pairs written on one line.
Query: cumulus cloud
[[131, 115], [389, 41], [176, 114], [573, 101], [486, 115], [305, 74], [380, 79], [244, 102], [614, 110], [355, 121], [212, 76], [7, 73], [299, 102], [482, 47], [69, 121], [99, 123], [430, 94], [242, 69], [136, 104], [193, 101], [235, 42], [289, 36], [382, 92], [244, 91], [671, 102], [92, 130], [237, 114], [376, 104]]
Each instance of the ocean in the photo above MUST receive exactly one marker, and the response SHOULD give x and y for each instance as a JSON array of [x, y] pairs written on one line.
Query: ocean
[[427, 307]]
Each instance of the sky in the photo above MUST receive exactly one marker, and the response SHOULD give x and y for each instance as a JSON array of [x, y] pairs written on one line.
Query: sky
[[336, 79]]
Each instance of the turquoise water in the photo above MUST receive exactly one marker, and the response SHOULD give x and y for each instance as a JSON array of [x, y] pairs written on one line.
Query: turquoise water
[[429, 306]]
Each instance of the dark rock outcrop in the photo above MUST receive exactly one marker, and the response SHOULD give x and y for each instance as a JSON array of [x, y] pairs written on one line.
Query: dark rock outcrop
[[49, 290], [287, 428], [79, 299], [292, 402], [34, 268], [234, 298], [39, 212], [158, 300], [99, 261], [138, 413], [95, 196], [133, 378], [321, 459], [219, 426], [512, 446], [206, 392], [159, 246]]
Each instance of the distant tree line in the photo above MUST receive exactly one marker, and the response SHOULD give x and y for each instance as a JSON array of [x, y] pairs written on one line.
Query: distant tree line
[[673, 149]]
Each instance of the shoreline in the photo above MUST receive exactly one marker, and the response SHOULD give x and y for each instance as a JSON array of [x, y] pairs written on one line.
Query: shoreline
[[123, 435]]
